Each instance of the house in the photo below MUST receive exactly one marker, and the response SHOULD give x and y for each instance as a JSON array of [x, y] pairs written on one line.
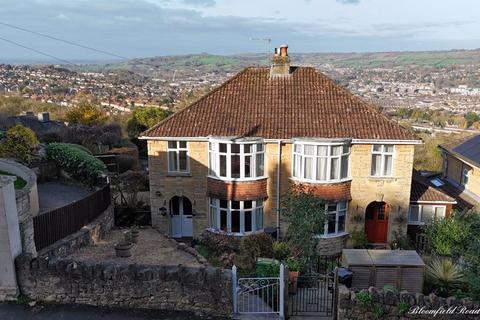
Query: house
[[461, 171], [224, 162]]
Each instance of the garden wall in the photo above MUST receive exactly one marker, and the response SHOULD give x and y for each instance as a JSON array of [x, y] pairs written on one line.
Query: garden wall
[[402, 306]]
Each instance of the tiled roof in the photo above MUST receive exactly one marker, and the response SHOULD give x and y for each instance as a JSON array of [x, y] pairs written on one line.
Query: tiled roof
[[467, 149], [304, 104], [422, 190]]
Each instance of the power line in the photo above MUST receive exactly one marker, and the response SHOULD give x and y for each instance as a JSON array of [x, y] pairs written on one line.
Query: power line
[[37, 51], [64, 41]]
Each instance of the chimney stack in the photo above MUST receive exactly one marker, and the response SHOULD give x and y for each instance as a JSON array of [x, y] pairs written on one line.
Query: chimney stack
[[280, 62]]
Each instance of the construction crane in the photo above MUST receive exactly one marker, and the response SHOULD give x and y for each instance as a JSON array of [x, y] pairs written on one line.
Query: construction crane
[[268, 41]]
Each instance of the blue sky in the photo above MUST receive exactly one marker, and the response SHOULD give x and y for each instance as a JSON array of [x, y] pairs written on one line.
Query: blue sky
[[141, 28]]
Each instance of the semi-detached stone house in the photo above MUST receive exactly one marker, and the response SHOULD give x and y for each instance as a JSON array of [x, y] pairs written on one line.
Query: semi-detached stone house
[[224, 162]]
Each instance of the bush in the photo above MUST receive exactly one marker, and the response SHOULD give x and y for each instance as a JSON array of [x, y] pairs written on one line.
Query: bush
[[359, 239], [19, 143], [87, 115], [252, 247], [447, 236], [280, 250], [82, 166]]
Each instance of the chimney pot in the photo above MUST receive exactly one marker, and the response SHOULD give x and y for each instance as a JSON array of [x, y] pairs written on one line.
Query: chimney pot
[[284, 50]]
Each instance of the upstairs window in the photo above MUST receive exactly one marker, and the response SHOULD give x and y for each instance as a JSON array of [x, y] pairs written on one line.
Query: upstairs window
[[382, 160], [320, 162], [243, 160], [178, 157], [424, 214]]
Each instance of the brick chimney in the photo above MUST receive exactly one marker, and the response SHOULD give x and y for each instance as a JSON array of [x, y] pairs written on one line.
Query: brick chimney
[[280, 62]]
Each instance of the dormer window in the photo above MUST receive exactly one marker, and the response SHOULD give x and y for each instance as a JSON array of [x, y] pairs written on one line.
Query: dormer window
[[236, 160], [321, 161]]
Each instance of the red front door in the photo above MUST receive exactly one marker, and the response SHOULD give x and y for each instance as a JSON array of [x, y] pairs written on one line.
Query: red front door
[[376, 222]]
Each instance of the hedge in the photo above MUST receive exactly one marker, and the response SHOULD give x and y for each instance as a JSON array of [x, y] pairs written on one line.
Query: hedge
[[81, 165]]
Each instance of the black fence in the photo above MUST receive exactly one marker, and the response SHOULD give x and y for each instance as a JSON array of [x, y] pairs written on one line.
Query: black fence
[[52, 226]]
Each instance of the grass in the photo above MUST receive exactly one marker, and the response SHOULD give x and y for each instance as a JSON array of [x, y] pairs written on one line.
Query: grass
[[19, 183]]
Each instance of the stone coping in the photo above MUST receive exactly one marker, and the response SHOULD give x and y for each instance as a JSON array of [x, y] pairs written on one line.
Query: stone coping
[[22, 171]]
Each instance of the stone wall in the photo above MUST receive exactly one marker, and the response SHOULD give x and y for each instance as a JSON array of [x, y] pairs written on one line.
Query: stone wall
[[198, 290], [332, 246], [403, 306]]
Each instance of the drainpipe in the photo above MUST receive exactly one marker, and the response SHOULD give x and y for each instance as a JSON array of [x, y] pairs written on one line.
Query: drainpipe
[[279, 165]]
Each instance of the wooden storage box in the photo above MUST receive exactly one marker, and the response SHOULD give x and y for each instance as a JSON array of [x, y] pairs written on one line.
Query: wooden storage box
[[402, 269]]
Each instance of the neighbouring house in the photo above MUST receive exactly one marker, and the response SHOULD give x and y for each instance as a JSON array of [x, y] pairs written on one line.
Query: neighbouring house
[[224, 162], [461, 171]]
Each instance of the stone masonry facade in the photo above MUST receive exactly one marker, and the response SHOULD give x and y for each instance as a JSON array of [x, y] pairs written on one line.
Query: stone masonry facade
[[363, 189], [402, 306]]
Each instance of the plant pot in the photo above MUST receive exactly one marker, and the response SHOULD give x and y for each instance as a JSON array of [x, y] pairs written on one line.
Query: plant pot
[[293, 279], [123, 250], [133, 234]]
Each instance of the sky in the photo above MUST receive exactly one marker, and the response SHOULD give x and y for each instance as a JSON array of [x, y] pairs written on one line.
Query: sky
[[144, 28]]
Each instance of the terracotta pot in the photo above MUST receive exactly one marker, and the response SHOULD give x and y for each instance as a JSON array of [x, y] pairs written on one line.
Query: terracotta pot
[[293, 278], [123, 250]]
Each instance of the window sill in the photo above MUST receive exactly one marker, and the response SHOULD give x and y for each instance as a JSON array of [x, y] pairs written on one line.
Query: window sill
[[179, 174], [387, 178], [416, 223], [237, 179], [320, 182], [234, 234], [330, 236]]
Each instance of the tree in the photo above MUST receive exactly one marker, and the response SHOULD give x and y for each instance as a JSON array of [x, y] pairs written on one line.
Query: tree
[[471, 117], [305, 217], [19, 143], [86, 114]]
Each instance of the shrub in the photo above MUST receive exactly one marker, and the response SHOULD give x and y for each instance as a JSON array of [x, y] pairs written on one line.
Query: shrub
[[280, 250], [87, 115], [82, 166], [447, 236], [444, 275], [252, 247], [19, 143], [218, 243], [359, 239]]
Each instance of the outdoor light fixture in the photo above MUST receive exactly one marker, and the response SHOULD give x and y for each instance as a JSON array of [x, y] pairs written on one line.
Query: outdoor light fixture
[[158, 193], [163, 211]]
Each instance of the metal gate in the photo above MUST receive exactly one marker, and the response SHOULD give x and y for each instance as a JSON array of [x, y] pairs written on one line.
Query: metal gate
[[259, 295], [313, 295]]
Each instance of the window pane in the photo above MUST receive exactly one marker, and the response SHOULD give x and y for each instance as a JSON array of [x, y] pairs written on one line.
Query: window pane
[[439, 212], [211, 146], [322, 151], [223, 165], [183, 144], [223, 220], [322, 169], [427, 214], [247, 148], [332, 207], [235, 221], [259, 203], [235, 148], [344, 168], [308, 168], [235, 166], [183, 160], [376, 164], [235, 204], [258, 218], [172, 144], [259, 147], [336, 150], [334, 173], [247, 169], [224, 204], [341, 223], [247, 204], [297, 166], [309, 150], [331, 223], [388, 148], [381, 212], [213, 217], [342, 205], [248, 221], [175, 206], [223, 147], [213, 166], [413, 217], [346, 149], [387, 171], [213, 201], [260, 165], [172, 161], [297, 148], [377, 147]]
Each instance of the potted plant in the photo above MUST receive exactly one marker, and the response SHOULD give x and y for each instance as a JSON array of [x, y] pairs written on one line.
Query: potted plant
[[293, 273], [132, 235], [124, 249]]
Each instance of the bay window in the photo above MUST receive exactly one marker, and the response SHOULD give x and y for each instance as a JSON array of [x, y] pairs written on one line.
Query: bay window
[[316, 162], [232, 160], [177, 157], [424, 214], [382, 160], [237, 217], [336, 216]]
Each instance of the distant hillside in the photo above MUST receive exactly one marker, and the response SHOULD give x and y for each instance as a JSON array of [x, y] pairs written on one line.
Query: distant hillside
[[204, 63]]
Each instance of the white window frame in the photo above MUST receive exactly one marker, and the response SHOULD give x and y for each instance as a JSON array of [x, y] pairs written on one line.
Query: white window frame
[[256, 205], [465, 177], [177, 150], [419, 222], [382, 153], [338, 212], [214, 169], [302, 156]]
